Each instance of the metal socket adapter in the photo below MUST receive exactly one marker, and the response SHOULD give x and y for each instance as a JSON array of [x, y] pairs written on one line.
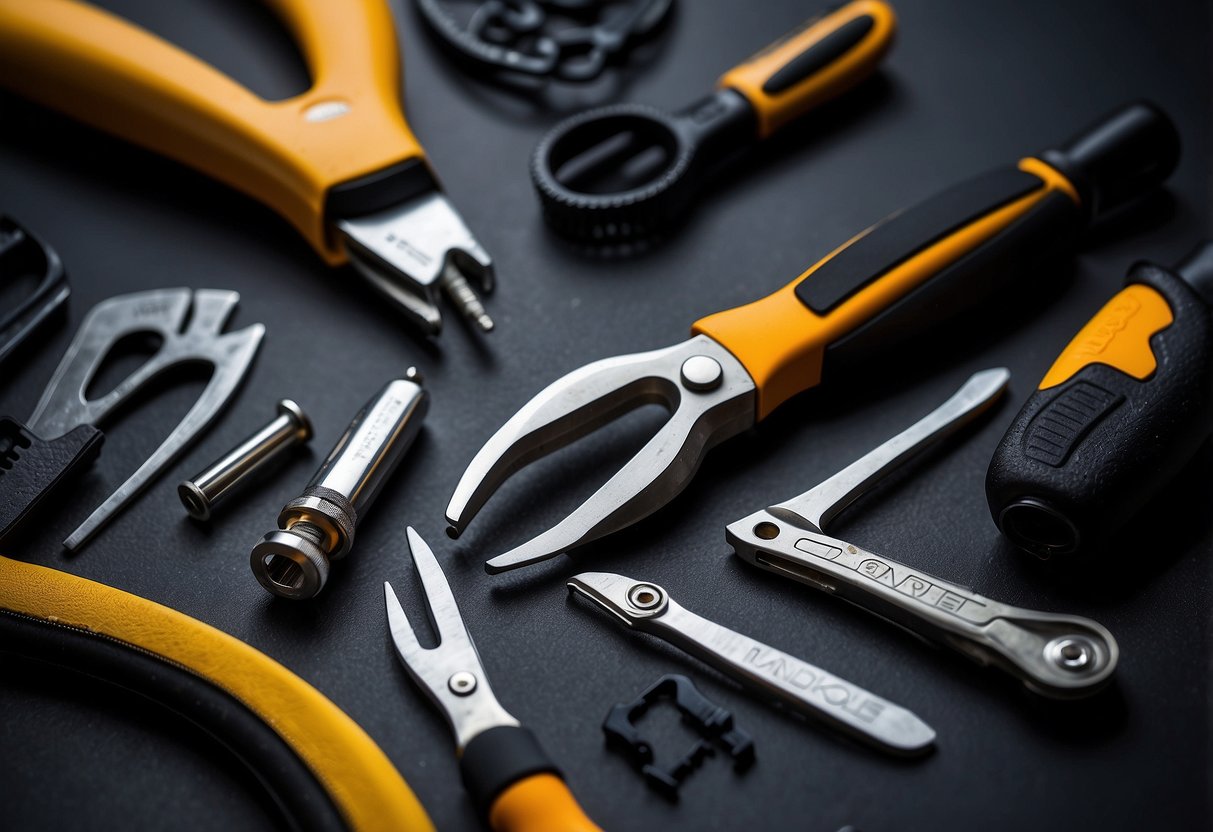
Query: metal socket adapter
[[317, 527]]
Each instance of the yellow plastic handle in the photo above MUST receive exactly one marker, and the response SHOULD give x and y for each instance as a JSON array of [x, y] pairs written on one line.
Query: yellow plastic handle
[[823, 59], [1118, 336], [781, 340], [105, 71], [359, 779], [540, 803]]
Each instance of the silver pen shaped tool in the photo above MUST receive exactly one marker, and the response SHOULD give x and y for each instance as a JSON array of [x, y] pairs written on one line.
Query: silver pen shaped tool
[[1059, 656], [772, 674]]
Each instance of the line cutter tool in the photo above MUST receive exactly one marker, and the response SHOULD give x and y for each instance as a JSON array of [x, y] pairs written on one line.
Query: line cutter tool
[[511, 779], [62, 435], [338, 161], [1059, 656], [915, 271]]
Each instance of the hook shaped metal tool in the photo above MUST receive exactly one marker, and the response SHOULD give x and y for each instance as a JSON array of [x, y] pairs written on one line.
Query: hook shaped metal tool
[[190, 324], [1060, 656]]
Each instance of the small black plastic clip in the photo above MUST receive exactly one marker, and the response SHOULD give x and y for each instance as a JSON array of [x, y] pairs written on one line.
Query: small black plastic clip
[[712, 721], [23, 255], [32, 468]]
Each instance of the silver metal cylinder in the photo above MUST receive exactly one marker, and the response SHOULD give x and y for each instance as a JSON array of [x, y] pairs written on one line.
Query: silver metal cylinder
[[318, 527], [204, 491]]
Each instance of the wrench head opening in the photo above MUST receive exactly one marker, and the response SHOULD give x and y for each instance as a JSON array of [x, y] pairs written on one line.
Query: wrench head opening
[[710, 397]]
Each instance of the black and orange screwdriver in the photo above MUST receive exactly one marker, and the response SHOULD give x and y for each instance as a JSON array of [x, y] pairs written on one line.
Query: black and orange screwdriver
[[1124, 407]]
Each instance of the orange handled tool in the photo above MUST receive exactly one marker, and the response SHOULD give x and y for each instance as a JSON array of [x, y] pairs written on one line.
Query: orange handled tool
[[322, 769], [899, 278], [625, 171], [338, 161], [1124, 407], [513, 782]]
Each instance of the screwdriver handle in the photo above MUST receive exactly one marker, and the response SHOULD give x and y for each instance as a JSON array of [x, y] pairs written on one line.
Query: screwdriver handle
[[822, 59], [939, 259], [514, 783], [1123, 408], [344, 139]]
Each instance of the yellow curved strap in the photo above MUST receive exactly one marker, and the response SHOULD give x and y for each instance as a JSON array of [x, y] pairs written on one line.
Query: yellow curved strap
[[1118, 336], [782, 343], [540, 803], [119, 77], [362, 783], [836, 77]]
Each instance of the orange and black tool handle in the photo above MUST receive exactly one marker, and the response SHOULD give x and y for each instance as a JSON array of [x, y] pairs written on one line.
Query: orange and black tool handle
[[321, 769], [1124, 407], [821, 60], [515, 785], [924, 265], [340, 148]]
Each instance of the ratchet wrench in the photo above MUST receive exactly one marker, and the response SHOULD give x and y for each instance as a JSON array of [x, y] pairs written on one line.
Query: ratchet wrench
[[773, 674], [1059, 656]]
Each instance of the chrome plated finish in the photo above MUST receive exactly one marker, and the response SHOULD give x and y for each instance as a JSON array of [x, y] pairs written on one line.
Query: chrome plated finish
[[415, 252], [293, 561], [1061, 656], [165, 313], [200, 494], [771, 673], [584, 400], [819, 505], [451, 674]]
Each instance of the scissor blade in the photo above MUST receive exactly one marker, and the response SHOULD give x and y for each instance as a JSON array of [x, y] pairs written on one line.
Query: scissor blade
[[814, 509]]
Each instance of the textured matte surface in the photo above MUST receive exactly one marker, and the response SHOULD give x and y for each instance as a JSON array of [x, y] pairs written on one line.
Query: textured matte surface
[[968, 86]]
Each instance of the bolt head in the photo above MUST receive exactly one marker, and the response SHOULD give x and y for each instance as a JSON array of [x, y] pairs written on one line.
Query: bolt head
[[701, 373]]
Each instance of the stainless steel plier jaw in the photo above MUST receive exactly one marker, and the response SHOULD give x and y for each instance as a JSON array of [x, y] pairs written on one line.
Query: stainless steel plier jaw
[[710, 397]]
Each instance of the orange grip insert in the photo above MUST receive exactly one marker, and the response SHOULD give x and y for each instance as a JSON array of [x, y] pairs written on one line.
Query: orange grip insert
[[1118, 336], [540, 803], [819, 61]]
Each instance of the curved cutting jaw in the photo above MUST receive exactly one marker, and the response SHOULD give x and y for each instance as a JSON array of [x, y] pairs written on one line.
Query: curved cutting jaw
[[710, 397]]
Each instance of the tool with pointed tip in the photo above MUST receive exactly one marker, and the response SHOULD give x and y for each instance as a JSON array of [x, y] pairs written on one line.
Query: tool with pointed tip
[[805, 689], [189, 324], [1060, 656], [338, 161], [512, 781], [908, 275]]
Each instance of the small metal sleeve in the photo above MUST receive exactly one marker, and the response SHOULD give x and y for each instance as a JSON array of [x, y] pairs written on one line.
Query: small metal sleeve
[[316, 528], [203, 492]]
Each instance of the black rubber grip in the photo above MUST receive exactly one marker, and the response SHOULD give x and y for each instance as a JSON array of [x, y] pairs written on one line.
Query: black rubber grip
[[299, 795], [903, 235], [379, 190], [1083, 457], [497, 759], [820, 55]]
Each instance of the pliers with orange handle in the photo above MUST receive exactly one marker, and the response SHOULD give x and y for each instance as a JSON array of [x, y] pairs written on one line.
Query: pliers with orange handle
[[512, 781], [901, 277], [338, 161]]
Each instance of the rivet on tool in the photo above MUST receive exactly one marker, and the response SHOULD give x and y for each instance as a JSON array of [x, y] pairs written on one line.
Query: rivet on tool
[[701, 373], [203, 492], [644, 597], [1070, 654], [462, 683]]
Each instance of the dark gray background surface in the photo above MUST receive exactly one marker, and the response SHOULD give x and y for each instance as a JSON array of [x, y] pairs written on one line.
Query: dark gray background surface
[[968, 86]]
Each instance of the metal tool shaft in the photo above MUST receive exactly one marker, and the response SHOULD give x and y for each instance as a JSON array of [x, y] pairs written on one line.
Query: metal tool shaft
[[318, 526], [203, 492]]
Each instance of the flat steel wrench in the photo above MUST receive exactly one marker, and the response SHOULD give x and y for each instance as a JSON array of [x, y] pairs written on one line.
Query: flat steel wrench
[[805, 689], [1060, 656]]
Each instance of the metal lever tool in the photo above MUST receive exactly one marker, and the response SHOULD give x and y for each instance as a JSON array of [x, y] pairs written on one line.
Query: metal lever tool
[[190, 324], [1060, 656], [806, 689]]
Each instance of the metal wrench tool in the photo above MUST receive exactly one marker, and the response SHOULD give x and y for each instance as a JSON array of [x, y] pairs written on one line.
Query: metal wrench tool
[[190, 324], [1060, 656], [798, 685]]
